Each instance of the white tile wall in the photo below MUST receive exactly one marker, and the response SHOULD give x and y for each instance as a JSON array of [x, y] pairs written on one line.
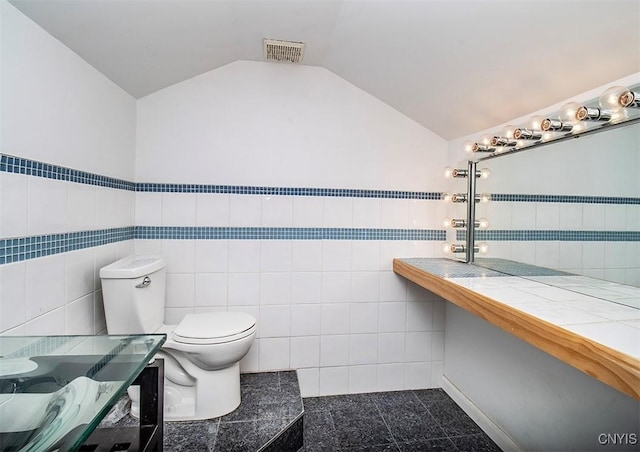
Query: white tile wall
[[93, 131], [318, 303]]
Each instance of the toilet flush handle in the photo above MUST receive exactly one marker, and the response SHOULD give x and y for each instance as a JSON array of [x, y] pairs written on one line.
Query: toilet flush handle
[[146, 281]]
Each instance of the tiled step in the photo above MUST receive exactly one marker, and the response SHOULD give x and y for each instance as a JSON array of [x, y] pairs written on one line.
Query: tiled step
[[269, 419]]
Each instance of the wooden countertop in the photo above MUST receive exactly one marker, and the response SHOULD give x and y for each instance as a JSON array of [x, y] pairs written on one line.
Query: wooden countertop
[[612, 367]]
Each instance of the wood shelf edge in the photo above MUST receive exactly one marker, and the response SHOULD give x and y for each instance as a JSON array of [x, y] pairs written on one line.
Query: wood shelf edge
[[607, 365]]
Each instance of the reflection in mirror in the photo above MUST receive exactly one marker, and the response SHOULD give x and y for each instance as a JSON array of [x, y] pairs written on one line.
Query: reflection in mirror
[[574, 207]]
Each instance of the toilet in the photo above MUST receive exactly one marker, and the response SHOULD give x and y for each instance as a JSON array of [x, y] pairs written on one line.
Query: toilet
[[201, 354]]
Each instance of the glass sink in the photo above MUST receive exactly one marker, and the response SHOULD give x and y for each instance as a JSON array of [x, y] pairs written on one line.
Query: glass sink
[[54, 390]]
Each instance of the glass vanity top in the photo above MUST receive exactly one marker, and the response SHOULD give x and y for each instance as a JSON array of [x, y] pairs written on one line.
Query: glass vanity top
[[54, 390]]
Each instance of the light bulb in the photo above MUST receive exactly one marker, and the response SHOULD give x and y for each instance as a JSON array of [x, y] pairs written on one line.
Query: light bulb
[[486, 139], [485, 197], [446, 222], [482, 223], [468, 146], [446, 248], [617, 98], [507, 132], [482, 248], [448, 172], [610, 99], [446, 197], [485, 173], [568, 113], [535, 123]]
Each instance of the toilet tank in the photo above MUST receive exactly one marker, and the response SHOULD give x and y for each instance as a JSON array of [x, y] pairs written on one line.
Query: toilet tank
[[133, 291]]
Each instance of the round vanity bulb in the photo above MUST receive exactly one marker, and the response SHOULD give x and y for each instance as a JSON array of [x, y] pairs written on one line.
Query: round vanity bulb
[[614, 98], [507, 132], [483, 248], [485, 197], [535, 123], [446, 222], [446, 248], [483, 223], [569, 111], [448, 172], [485, 173], [485, 139], [446, 197], [468, 146]]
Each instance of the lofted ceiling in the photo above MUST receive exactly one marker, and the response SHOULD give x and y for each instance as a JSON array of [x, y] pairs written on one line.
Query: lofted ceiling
[[454, 66]]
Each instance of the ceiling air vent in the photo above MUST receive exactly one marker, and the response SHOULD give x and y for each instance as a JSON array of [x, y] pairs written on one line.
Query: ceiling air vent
[[283, 51]]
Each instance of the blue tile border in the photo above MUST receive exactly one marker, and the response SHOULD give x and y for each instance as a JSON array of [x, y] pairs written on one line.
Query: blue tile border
[[24, 248], [286, 191], [570, 199], [553, 235], [264, 233], [17, 165]]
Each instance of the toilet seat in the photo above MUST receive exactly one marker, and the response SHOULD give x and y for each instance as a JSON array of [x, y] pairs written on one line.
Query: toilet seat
[[213, 328]]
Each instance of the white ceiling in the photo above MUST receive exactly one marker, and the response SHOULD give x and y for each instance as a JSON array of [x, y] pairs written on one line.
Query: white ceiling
[[454, 66]]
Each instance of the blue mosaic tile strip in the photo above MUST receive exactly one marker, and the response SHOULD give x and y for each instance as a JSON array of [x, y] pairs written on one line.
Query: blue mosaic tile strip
[[17, 165], [23, 248], [285, 191], [260, 233], [551, 235], [571, 199]]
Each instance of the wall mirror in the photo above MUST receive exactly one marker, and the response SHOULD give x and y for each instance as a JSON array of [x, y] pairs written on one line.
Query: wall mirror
[[569, 207]]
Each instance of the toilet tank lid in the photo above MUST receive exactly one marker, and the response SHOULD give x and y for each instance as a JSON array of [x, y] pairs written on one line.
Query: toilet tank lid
[[133, 266]]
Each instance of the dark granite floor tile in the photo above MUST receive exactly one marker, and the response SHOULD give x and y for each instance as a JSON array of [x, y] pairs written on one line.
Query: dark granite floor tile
[[411, 423], [377, 448], [360, 428], [360, 403], [290, 439], [385, 400], [260, 379], [247, 411], [431, 445], [197, 436], [475, 443], [453, 420], [288, 377], [431, 396], [127, 421], [319, 432], [279, 410], [315, 404], [268, 429], [291, 390], [237, 437], [407, 418]]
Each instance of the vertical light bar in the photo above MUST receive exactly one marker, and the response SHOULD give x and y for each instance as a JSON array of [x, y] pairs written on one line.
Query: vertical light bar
[[471, 212]]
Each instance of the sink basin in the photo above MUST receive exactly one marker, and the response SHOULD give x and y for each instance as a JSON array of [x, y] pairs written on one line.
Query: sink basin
[[37, 421]]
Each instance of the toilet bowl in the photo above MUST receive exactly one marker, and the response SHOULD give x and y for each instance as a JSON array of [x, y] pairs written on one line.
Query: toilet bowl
[[201, 353]]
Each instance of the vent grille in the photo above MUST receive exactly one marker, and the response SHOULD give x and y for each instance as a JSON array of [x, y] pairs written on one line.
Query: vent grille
[[283, 51]]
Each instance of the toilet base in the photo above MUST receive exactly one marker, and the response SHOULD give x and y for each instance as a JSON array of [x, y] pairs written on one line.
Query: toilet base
[[215, 394]]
